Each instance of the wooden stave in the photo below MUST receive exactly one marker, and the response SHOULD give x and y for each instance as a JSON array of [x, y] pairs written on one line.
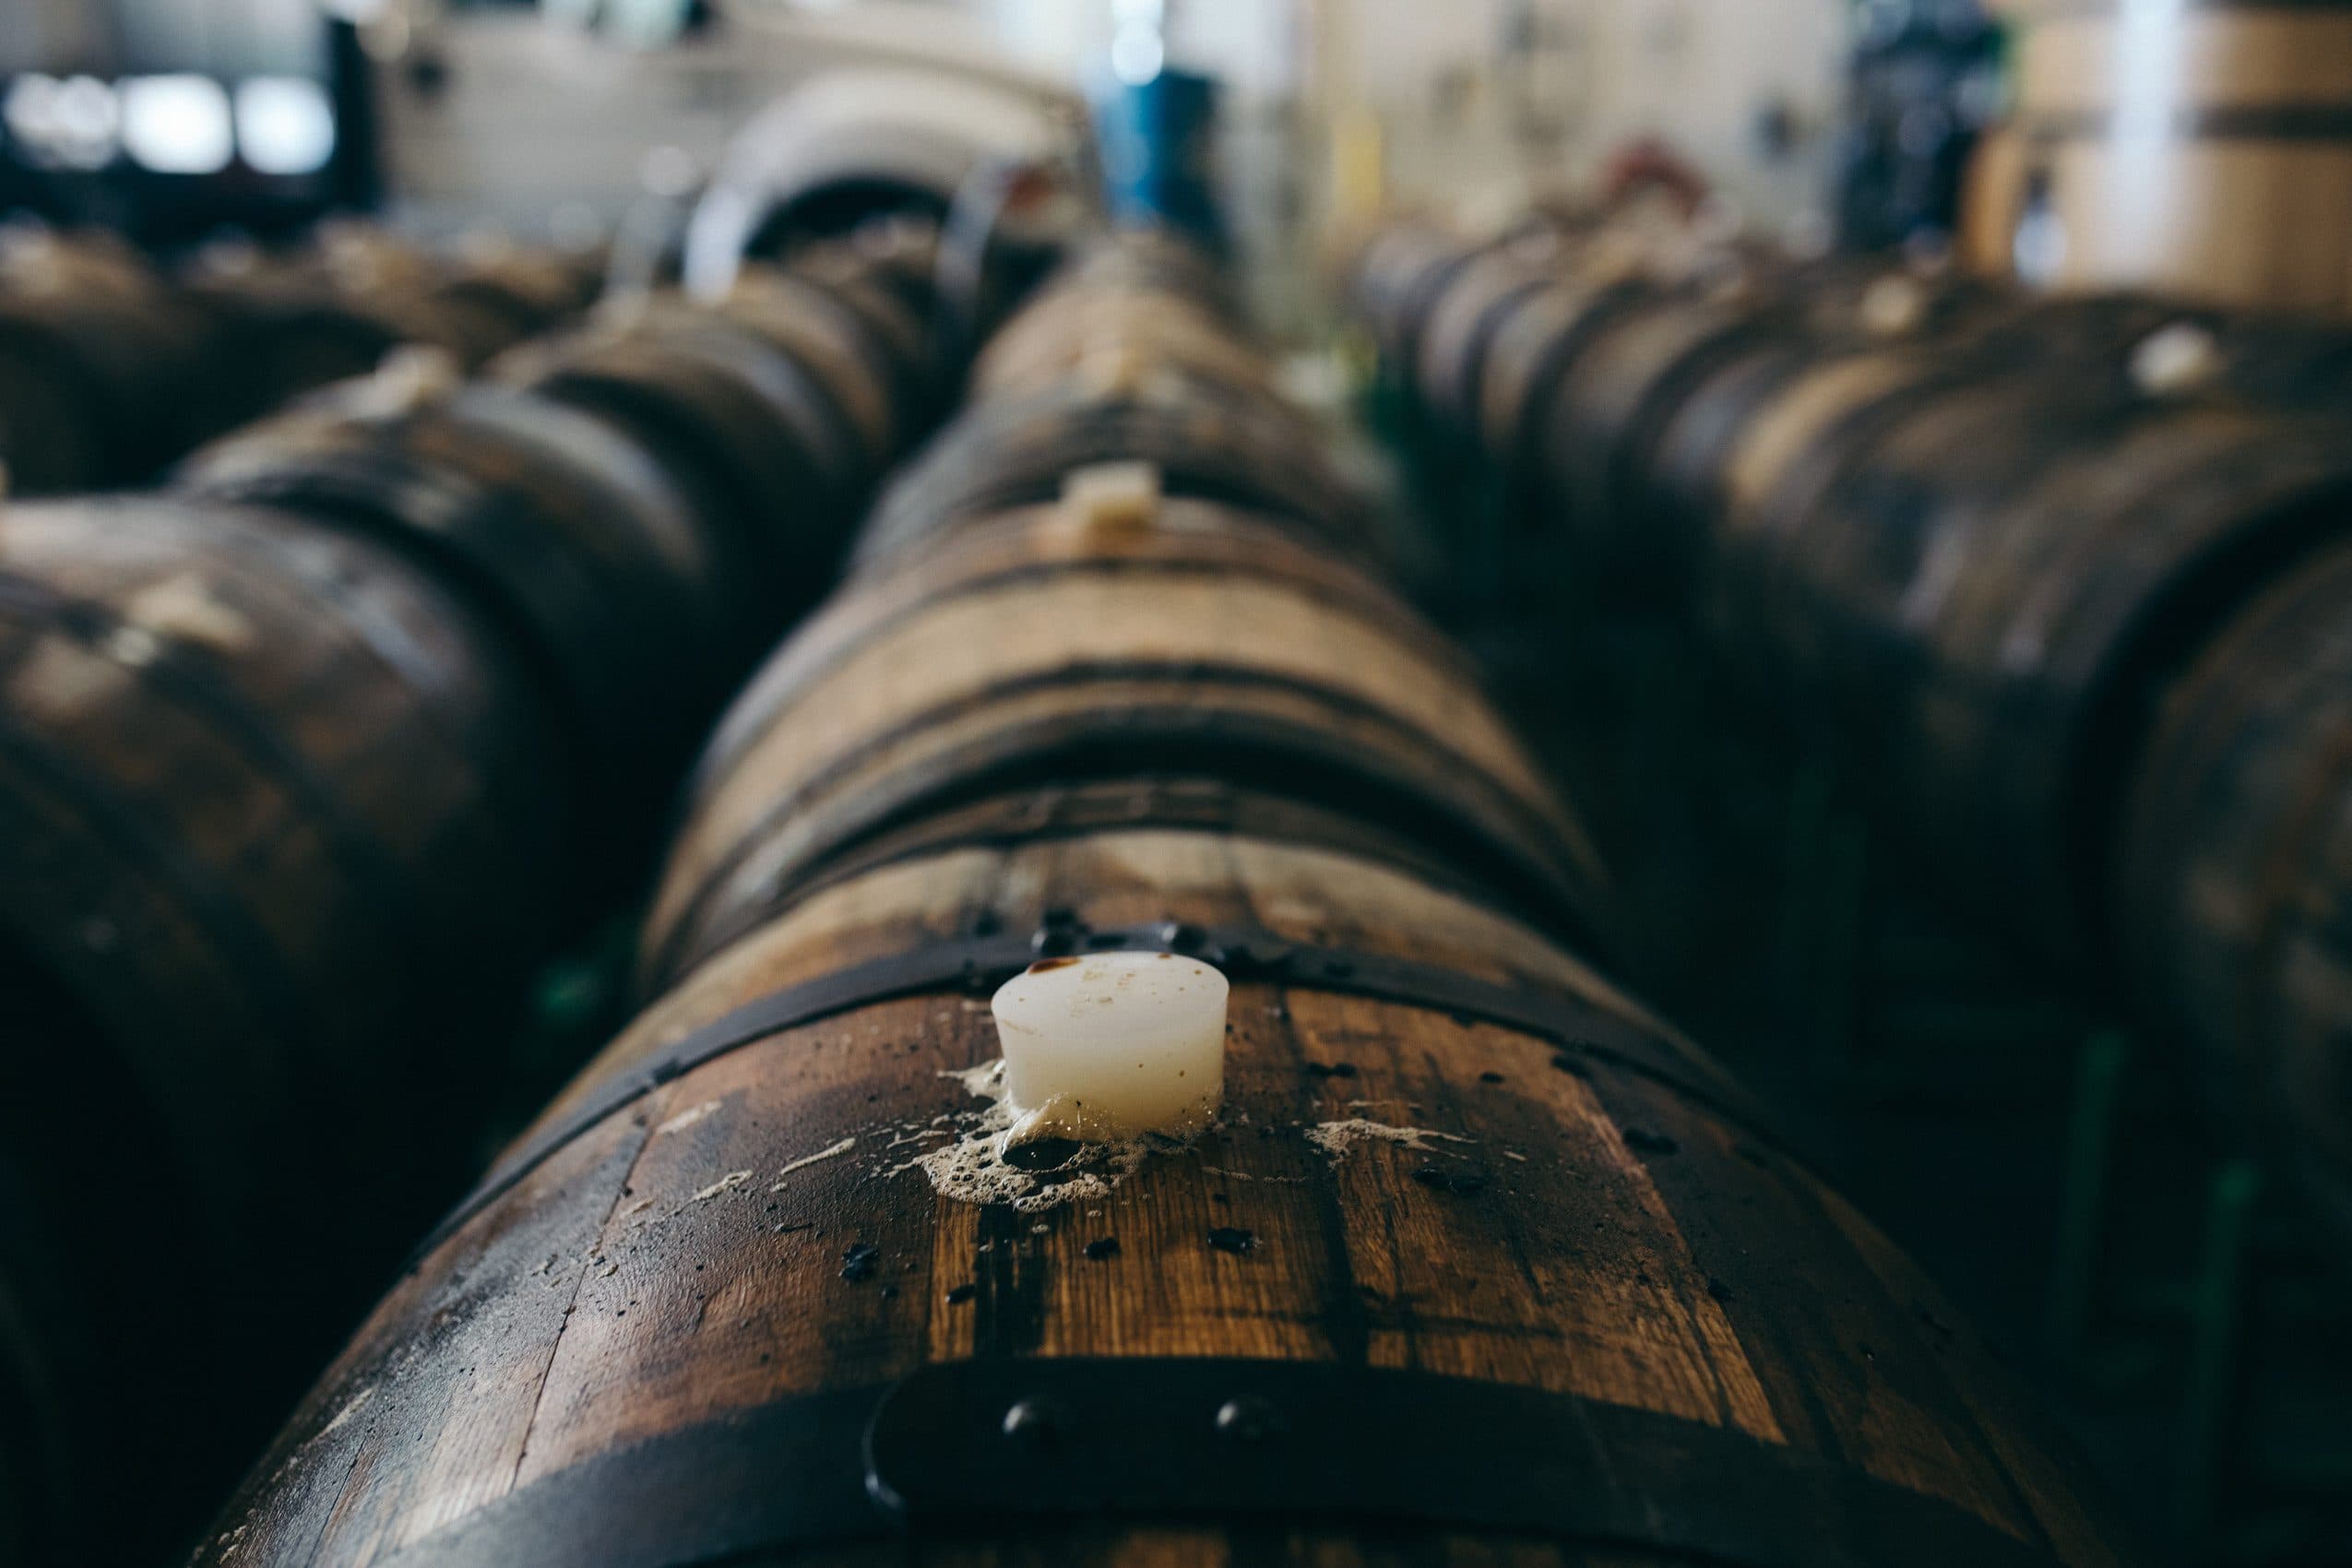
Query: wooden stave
[[585, 549], [2253, 130], [137, 358], [726, 827], [1908, 1333], [1205, 441], [748, 437], [393, 704], [2230, 873]]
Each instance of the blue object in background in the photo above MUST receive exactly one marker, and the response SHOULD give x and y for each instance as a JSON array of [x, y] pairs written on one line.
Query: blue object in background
[[1158, 137]]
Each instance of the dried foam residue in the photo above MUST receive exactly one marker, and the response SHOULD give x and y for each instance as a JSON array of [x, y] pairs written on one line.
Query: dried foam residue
[[1336, 1138], [830, 1151], [974, 1167]]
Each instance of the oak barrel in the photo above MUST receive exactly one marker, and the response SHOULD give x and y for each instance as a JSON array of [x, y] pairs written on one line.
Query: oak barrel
[[2233, 884], [587, 548], [1480, 1260], [277, 826], [2201, 150], [106, 373]]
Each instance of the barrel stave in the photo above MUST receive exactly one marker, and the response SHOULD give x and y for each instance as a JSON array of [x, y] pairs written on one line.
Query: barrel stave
[[1578, 1269]]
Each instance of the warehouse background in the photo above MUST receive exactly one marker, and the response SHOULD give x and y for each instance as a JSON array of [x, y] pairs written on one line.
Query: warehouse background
[[481, 190]]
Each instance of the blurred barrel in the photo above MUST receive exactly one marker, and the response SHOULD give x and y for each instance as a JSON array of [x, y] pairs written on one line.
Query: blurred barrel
[[278, 820], [1479, 1258], [999, 655], [304, 767], [1977, 585], [105, 373], [333, 310], [2203, 150], [584, 546], [2233, 887], [1964, 541], [1126, 356]]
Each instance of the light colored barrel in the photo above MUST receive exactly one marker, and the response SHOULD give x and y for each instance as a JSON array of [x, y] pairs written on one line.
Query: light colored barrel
[[2201, 150]]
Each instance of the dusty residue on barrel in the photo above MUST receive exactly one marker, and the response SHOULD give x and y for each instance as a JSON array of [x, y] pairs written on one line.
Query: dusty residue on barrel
[[1336, 1138], [983, 1163]]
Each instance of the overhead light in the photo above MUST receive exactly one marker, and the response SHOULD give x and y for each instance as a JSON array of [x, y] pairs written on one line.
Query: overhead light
[[284, 124], [177, 124], [74, 122], [1136, 55]]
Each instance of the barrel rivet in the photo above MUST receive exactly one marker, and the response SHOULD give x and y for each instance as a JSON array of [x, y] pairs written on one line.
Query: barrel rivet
[[1249, 1418], [1037, 1422]]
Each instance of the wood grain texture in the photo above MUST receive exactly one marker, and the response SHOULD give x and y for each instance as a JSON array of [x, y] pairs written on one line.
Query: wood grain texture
[[276, 834], [2231, 881], [1520, 1206], [1629, 1248]]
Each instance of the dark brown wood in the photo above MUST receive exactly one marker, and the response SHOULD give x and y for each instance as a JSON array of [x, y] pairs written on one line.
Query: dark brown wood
[[2233, 892], [1966, 546], [1106, 365], [277, 835], [105, 372], [660, 1337], [769, 451], [577, 537]]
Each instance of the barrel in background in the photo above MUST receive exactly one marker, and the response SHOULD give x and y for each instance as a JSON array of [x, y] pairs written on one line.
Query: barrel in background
[[307, 763], [2203, 151]]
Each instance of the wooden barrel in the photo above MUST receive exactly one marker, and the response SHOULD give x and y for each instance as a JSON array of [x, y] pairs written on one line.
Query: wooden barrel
[[1479, 1262], [2199, 150], [105, 374], [289, 323], [1105, 365], [1993, 585], [996, 664], [1475, 306], [2233, 885], [763, 440], [1397, 279], [587, 549], [279, 825]]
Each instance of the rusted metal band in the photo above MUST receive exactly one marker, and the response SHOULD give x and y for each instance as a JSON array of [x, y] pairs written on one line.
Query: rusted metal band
[[1213, 1441]]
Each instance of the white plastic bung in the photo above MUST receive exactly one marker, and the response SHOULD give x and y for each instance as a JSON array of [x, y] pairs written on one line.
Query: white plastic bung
[[1112, 1045]]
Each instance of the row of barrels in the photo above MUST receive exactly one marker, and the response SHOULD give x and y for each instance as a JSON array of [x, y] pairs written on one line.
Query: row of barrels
[[2061, 578], [308, 758], [1479, 1261], [111, 368]]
